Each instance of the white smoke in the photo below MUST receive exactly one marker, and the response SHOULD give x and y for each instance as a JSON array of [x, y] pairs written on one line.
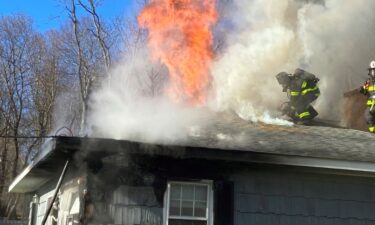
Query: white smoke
[[247, 112], [132, 105], [332, 39]]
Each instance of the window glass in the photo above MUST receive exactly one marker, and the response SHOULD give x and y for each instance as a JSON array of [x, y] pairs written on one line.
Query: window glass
[[174, 208], [200, 209], [188, 192], [201, 193], [187, 208], [186, 222], [175, 191]]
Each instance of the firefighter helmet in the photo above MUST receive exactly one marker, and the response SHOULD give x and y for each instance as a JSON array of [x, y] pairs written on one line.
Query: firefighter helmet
[[372, 65], [284, 80], [372, 69]]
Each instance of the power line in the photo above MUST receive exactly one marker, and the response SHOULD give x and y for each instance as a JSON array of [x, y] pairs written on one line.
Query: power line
[[28, 137], [42, 137]]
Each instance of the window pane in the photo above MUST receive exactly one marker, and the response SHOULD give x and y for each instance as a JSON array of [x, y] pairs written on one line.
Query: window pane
[[187, 208], [201, 193], [186, 222], [174, 208], [200, 209], [188, 192], [175, 191]]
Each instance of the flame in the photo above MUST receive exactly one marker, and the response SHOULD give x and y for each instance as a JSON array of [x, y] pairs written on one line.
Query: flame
[[180, 37]]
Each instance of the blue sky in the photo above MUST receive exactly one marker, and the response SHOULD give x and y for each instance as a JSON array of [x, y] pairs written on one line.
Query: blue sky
[[49, 14]]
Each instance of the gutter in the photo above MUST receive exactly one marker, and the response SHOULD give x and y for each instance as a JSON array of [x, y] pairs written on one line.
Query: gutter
[[358, 167]]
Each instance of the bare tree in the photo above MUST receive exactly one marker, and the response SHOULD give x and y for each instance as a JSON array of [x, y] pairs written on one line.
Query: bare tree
[[100, 33], [16, 41], [90, 50], [85, 77], [29, 71], [46, 71]]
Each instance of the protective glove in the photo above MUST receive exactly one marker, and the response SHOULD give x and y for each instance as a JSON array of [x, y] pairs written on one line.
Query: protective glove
[[366, 84]]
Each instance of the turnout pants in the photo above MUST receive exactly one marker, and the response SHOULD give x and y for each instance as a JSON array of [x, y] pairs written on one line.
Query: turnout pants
[[304, 110], [370, 119]]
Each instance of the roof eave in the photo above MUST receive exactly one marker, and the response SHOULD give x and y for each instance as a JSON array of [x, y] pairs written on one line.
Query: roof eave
[[31, 178], [340, 166], [22, 185]]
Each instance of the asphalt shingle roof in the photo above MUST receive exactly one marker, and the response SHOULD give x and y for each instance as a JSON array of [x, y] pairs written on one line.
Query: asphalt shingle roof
[[233, 133]]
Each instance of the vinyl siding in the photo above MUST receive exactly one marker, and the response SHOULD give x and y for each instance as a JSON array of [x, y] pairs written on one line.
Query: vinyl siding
[[283, 198]]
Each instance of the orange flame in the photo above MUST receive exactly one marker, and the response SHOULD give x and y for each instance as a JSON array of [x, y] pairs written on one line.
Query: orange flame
[[180, 37]]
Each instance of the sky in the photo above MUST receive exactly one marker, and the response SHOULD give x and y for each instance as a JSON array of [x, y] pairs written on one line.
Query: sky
[[50, 14]]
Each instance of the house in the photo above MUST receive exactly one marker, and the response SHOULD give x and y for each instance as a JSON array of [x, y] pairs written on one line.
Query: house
[[241, 173]]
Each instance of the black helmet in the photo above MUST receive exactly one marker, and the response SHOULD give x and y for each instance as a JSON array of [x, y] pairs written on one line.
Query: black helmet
[[284, 79]]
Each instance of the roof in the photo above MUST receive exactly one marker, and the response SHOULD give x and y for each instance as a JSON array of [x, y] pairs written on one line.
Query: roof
[[226, 138], [310, 141]]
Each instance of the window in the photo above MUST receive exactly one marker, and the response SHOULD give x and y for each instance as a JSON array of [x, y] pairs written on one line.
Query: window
[[189, 203]]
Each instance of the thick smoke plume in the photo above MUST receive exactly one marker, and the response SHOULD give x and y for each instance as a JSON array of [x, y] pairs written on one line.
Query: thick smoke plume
[[132, 106], [332, 39]]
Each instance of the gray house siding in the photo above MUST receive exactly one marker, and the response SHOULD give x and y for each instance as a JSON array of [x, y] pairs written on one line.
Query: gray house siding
[[283, 198], [263, 194]]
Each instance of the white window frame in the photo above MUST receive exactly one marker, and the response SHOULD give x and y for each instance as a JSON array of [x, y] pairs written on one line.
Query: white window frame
[[209, 209]]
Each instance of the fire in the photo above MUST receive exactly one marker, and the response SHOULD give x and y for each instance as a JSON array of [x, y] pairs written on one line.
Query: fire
[[180, 37]]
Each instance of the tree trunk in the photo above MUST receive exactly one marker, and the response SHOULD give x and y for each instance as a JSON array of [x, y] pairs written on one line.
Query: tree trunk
[[16, 157], [12, 205]]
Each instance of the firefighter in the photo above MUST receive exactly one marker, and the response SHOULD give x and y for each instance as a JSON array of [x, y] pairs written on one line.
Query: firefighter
[[302, 90], [368, 89]]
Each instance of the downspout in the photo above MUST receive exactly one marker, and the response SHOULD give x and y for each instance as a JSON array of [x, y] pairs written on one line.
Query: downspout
[[56, 191], [33, 209]]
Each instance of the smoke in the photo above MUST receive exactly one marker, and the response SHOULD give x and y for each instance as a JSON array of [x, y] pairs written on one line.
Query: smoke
[[247, 112], [139, 100], [132, 105], [332, 39]]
